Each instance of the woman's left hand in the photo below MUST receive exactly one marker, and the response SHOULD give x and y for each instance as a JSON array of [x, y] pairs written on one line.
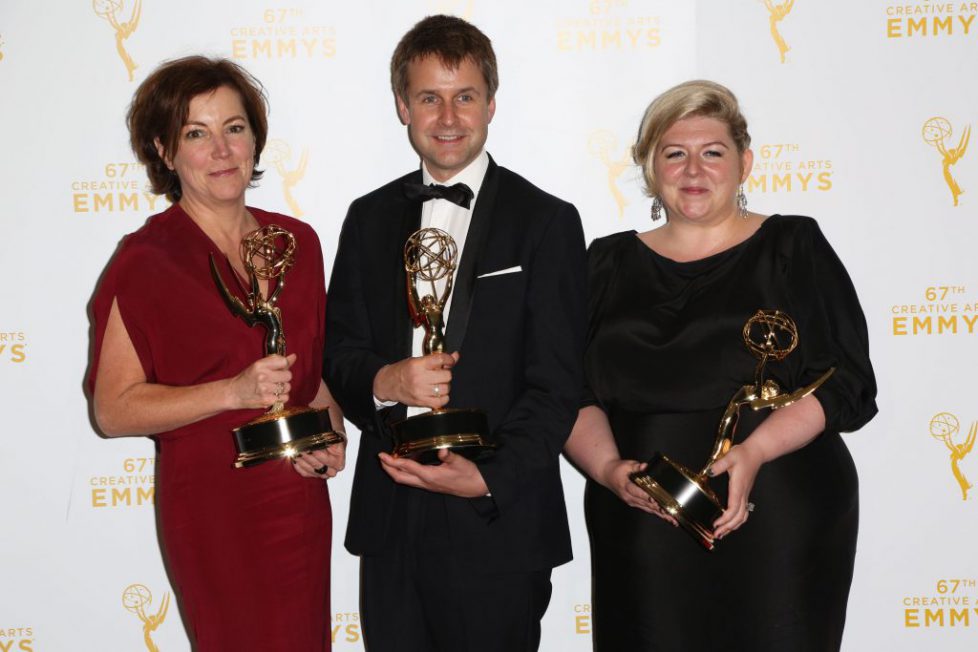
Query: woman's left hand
[[786, 430], [323, 464], [741, 464]]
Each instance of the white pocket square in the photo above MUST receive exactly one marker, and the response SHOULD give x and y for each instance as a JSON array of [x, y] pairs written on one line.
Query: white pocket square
[[508, 270]]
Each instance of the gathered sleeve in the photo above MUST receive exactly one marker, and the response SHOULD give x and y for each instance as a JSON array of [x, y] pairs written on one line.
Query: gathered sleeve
[[832, 332], [603, 257]]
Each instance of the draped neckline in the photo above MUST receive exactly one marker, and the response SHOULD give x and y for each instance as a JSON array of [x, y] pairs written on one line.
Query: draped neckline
[[699, 264], [203, 238]]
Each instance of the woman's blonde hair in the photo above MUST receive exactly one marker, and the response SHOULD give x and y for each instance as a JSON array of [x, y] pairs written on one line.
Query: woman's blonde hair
[[689, 99]]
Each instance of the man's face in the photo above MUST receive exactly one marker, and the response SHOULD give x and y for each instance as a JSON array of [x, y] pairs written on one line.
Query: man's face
[[447, 113]]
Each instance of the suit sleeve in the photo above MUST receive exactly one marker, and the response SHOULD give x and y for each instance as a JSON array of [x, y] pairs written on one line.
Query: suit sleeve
[[350, 363], [533, 433]]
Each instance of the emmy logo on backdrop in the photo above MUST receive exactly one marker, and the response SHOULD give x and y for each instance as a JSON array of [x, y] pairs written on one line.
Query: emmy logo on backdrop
[[282, 432], [135, 598], [686, 495], [776, 13], [935, 131], [277, 152], [430, 258], [108, 9], [601, 144], [944, 427]]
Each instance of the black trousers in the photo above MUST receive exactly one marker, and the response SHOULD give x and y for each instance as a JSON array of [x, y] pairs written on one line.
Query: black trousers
[[423, 596]]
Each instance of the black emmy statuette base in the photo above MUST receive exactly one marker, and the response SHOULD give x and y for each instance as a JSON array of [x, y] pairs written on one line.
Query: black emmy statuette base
[[284, 434], [683, 495], [465, 432]]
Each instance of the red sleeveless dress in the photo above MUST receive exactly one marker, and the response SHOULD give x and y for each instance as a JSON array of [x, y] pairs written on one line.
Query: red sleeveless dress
[[247, 550]]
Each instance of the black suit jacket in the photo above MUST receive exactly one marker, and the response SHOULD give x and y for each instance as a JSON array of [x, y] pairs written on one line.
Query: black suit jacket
[[521, 339]]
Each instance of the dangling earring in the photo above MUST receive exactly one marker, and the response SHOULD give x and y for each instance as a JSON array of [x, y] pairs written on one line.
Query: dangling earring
[[656, 208], [742, 202]]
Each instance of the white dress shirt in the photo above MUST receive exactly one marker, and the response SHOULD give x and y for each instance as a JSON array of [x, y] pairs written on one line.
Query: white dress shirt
[[454, 220]]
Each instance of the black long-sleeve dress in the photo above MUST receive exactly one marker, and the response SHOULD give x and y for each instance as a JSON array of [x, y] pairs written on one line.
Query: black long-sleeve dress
[[665, 354]]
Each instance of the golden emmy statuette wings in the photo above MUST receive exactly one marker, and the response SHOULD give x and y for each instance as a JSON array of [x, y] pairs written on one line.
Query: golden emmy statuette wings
[[108, 10], [602, 144], [281, 432], [278, 153], [430, 257], [777, 13], [945, 427], [935, 132], [687, 495], [135, 598]]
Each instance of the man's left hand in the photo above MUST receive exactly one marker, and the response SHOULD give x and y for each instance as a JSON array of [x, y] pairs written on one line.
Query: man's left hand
[[456, 475]]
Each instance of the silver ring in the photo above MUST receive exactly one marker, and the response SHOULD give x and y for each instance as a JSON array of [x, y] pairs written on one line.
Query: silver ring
[[750, 507], [437, 390]]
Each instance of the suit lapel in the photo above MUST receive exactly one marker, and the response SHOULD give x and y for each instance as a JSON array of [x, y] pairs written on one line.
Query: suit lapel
[[475, 243], [410, 221]]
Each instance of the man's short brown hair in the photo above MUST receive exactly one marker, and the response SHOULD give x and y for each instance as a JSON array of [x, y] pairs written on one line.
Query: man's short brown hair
[[452, 40]]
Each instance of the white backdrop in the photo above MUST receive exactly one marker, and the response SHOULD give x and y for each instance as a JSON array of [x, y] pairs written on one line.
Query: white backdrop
[[862, 121]]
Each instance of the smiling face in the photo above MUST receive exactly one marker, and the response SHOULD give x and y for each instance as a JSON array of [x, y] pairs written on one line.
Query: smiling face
[[698, 170], [215, 154], [447, 113]]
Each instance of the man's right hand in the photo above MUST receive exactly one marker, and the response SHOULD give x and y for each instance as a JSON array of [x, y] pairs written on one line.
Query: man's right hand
[[417, 382]]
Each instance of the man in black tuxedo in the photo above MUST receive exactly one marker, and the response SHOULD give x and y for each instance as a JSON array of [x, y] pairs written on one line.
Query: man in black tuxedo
[[457, 556]]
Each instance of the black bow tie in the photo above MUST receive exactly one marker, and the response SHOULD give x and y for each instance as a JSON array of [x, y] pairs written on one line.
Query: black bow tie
[[459, 194]]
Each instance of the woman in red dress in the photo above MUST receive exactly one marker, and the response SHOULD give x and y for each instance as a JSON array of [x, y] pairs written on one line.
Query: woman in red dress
[[248, 549]]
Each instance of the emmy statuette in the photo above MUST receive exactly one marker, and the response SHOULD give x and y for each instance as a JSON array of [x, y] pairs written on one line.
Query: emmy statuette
[[687, 495], [282, 432], [430, 256]]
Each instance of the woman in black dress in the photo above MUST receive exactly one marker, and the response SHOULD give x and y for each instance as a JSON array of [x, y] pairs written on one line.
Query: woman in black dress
[[665, 355]]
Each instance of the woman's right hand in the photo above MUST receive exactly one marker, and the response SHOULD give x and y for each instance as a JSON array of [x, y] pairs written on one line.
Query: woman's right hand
[[263, 383], [591, 446], [616, 476]]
